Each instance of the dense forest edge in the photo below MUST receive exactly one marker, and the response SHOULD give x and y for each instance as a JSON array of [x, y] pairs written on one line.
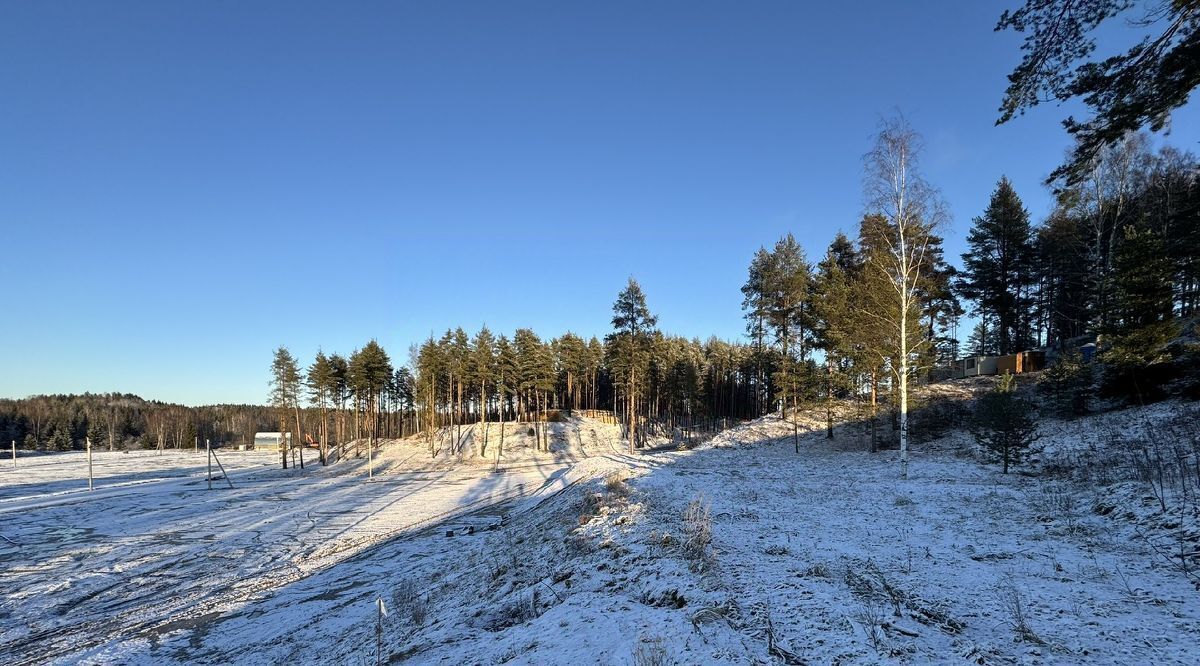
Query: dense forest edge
[[1115, 265]]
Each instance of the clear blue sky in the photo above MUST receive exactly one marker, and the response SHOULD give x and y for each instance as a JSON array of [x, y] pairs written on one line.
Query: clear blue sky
[[186, 185]]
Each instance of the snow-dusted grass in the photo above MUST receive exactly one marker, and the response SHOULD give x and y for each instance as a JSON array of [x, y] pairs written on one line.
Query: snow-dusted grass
[[151, 555], [741, 551], [821, 557], [61, 473]]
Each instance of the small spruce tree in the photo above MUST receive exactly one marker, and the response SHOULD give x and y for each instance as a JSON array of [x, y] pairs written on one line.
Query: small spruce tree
[[1067, 384], [61, 439], [97, 432], [1004, 424]]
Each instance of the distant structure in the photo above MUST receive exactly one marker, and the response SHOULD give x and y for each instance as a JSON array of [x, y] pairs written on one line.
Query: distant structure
[[974, 365], [1026, 361], [272, 440], [1011, 364]]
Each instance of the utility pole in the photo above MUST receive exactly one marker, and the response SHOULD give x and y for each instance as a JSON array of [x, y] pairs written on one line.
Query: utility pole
[[89, 454]]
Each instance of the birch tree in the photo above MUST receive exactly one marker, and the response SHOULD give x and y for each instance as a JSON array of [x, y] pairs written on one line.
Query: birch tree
[[894, 188]]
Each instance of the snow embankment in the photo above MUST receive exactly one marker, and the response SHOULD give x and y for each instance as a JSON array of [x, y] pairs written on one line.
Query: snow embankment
[[745, 551]]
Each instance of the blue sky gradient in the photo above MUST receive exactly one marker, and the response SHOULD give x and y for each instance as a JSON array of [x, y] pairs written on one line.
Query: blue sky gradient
[[185, 186]]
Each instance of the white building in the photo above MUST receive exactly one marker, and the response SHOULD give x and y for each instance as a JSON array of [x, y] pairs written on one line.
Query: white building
[[976, 365]]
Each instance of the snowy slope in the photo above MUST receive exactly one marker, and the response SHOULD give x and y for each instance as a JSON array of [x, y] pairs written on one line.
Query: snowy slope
[[822, 557], [583, 555]]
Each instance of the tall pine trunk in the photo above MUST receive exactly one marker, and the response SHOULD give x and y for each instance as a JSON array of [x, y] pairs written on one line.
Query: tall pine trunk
[[631, 411]]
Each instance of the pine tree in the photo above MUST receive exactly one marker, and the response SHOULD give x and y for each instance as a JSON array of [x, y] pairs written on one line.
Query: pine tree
[[60, 437], [339, 391], [571, 352], [756, 304], [430, 367], [285, 395], [631, 339], [832, 317], [1123, 91], [403, 392], [483, 359], [874, 315], [320, 381], [96, 432], [459, 358], [535, 372], [368, 374], [1142, 281], [595, 361], [998, 267], [506, 375], [1062, 267], [982, 341], [1004, 423]]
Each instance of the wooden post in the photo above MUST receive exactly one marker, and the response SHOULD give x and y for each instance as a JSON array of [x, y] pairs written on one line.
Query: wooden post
[[208, 451], [89, 454], [14, 450], [370, 461]]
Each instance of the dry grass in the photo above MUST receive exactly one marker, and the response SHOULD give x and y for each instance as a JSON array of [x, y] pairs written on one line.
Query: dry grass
[[1013, 604], [696, 546], [408, 603], [651, 651], [614, 484]]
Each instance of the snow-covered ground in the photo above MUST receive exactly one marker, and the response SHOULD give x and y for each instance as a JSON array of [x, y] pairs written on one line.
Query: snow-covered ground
[[742, 551], [821, 557], [151, 554]]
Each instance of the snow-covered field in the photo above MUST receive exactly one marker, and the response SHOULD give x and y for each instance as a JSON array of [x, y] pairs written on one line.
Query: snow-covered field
[[151, 555], [740, 552]]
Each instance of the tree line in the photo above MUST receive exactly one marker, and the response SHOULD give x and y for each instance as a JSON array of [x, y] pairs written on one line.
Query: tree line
[[1116, 260], [117, 421], [1119, 252], [457, 379]]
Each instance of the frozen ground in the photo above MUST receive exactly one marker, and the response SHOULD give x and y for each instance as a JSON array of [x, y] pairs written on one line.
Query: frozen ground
[[62, 475], [818, 557], [111, 575], [821, 557]]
